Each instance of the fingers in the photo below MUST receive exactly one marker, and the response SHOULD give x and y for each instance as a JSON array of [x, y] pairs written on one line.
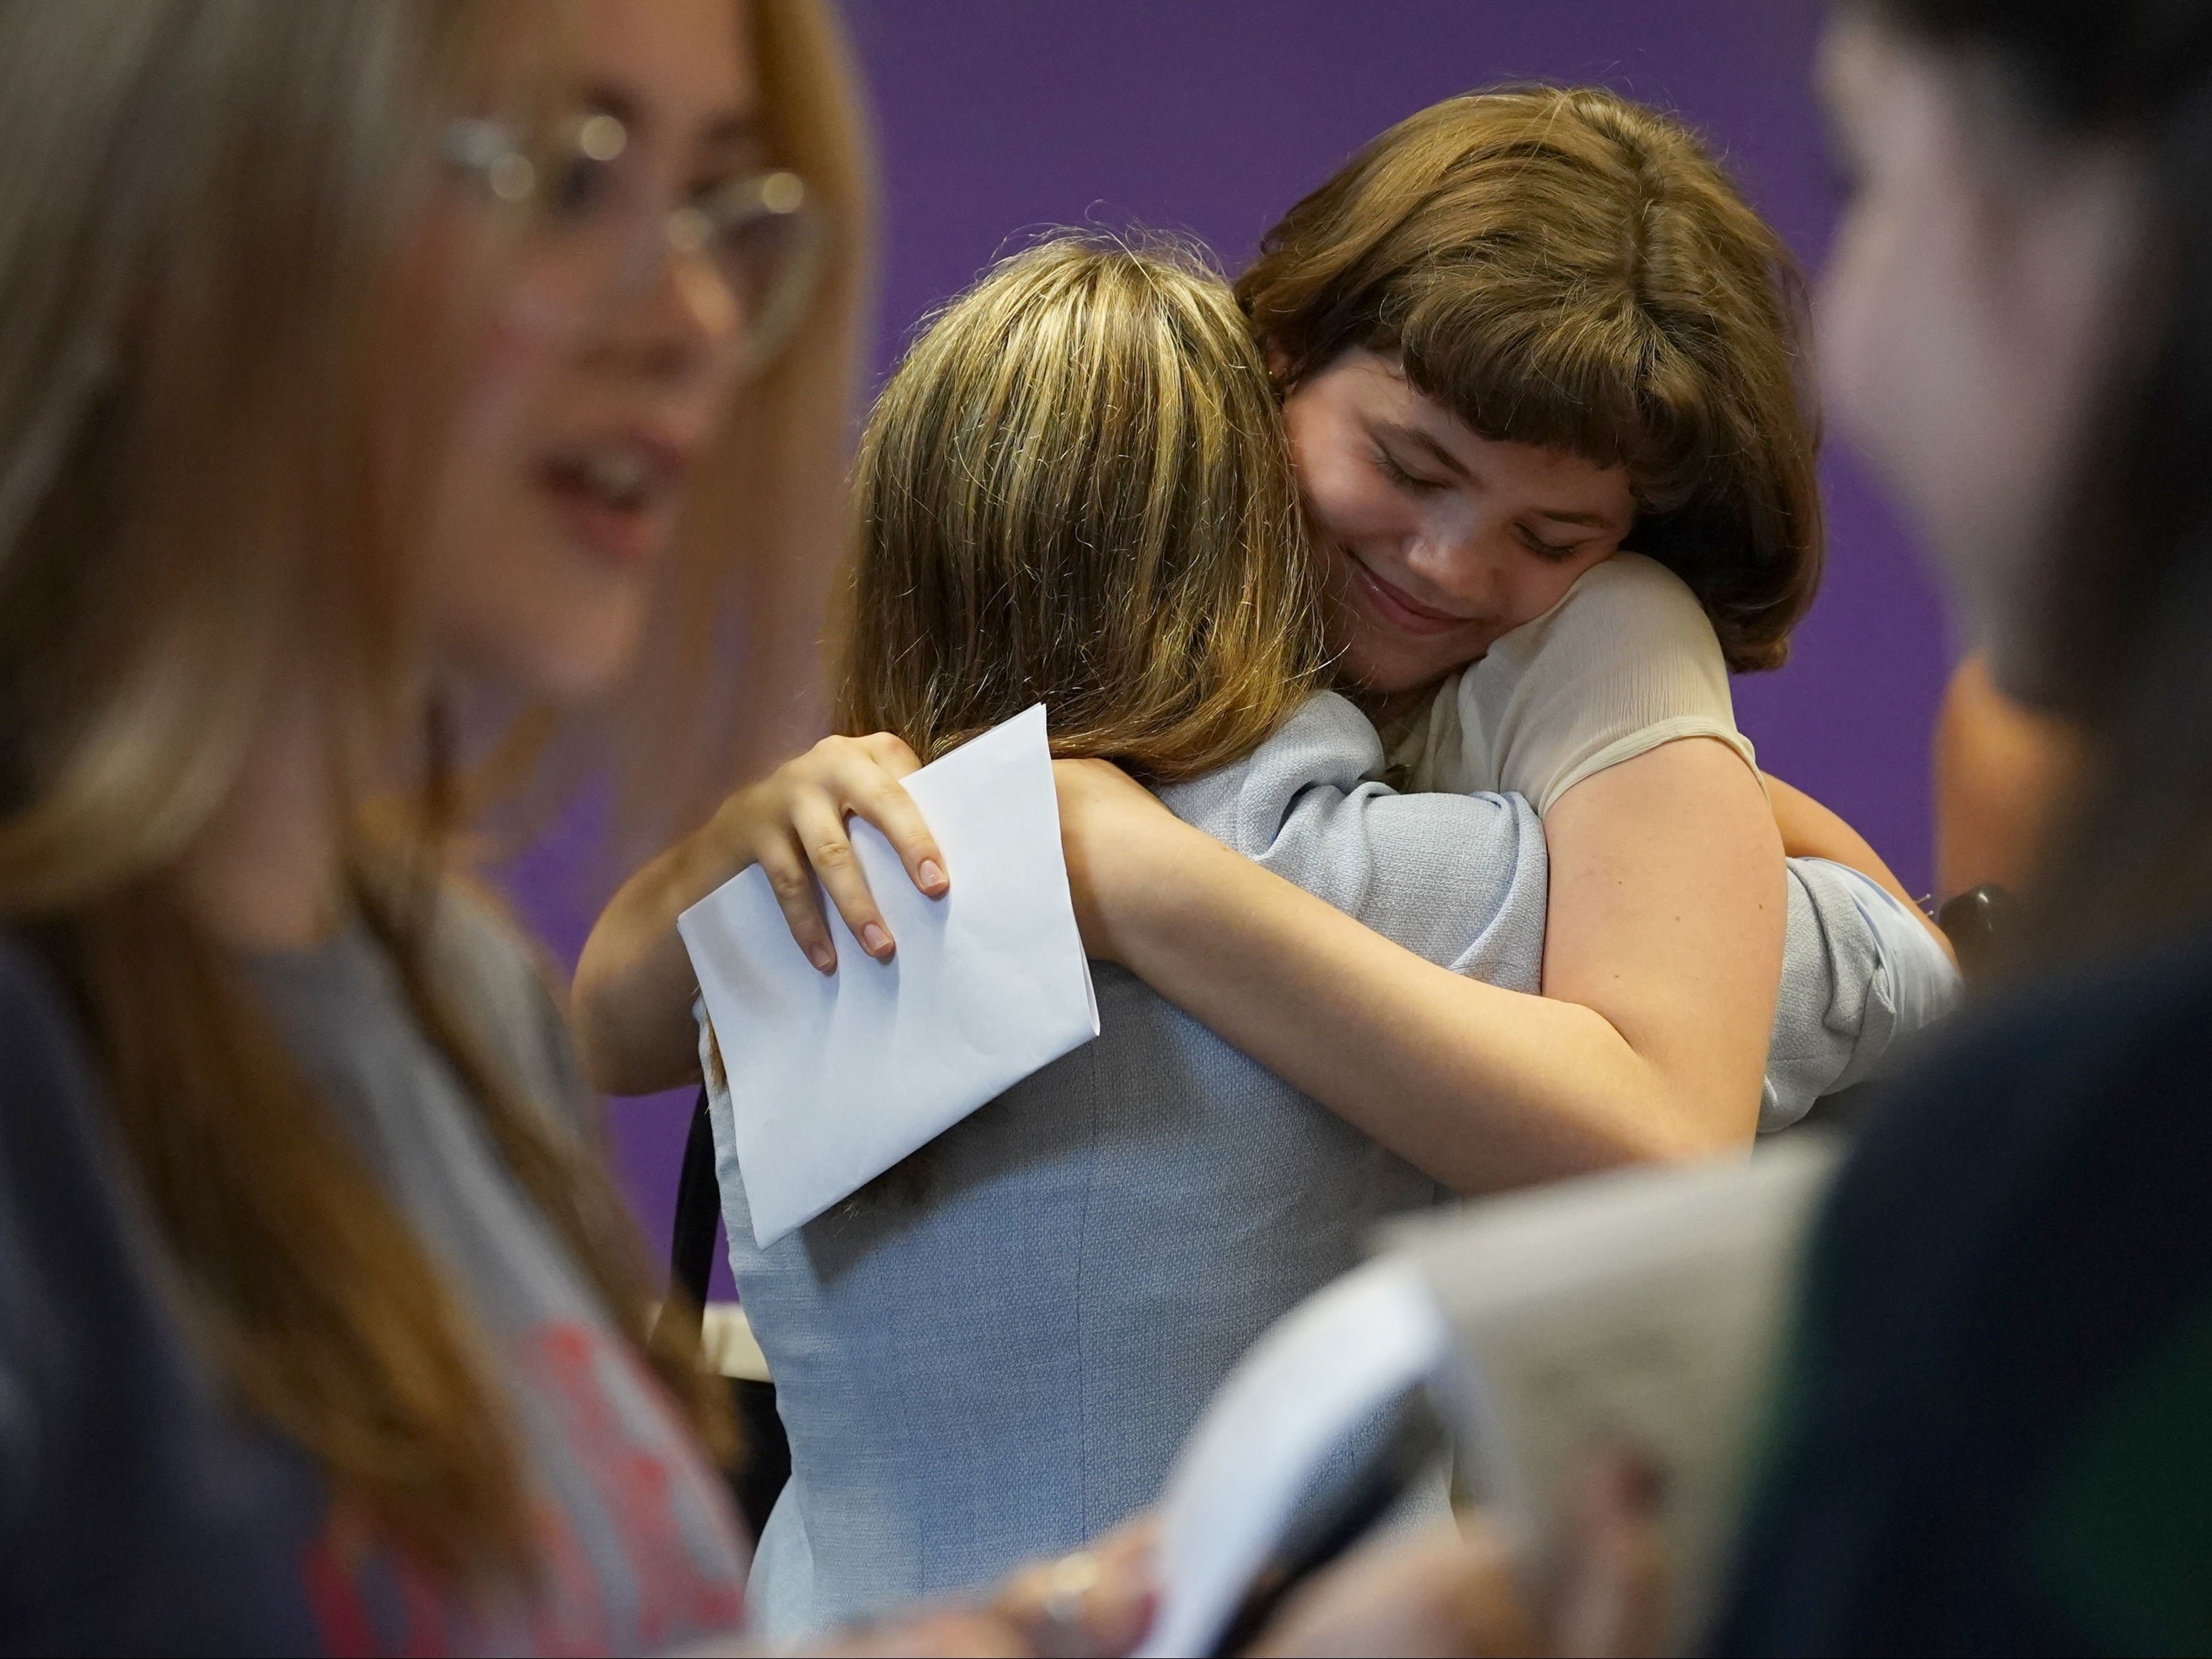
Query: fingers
[[1095, 1601], [872, 792], [939, 1633], [791, 879], [1612, 1589], [1434, 1594], [820, 828], [856, 780], [793, 826], [892, 754]]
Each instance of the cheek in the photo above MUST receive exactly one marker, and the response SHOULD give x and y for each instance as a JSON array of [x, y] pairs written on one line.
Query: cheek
[[1349, 509], [521, 611], [1894, 328], [1536, 585], [1855, 292], [1346, 499], [511, 597]]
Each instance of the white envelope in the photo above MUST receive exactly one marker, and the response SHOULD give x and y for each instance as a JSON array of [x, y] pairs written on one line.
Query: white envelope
[[834, 1078]]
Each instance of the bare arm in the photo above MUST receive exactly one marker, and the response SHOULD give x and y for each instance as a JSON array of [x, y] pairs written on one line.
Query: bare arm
[[631, 1005], [1999, 769], [1666, 921], [1666, 929], [1810, 831]]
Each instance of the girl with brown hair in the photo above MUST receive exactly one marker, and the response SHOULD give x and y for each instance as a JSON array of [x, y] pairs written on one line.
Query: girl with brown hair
[[1993, 1438]]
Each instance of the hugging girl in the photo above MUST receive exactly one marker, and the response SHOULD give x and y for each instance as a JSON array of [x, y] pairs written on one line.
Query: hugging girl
[[1195, 530]]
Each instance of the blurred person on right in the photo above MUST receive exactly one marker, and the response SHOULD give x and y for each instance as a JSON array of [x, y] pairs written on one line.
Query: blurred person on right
[[1990, 1436], [2000, 770]]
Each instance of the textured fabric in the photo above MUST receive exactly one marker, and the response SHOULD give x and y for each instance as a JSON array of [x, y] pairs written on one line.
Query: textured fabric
[[1626, 661], [995, 1351], [1992, 1434], [137, 1510], [1862, 978]]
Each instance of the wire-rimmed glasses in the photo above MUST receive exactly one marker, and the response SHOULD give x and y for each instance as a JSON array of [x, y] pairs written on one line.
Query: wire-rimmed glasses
[[763, 234]]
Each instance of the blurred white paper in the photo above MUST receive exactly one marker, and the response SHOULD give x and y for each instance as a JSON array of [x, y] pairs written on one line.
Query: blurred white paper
[[834, 1078], [1643, 1308], [1320, 1373]]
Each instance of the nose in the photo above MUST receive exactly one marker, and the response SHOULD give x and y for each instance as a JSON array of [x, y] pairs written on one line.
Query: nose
[[1453, 560], [675, 321]]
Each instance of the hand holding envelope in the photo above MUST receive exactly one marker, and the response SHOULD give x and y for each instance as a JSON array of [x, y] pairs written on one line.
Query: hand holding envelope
[[834, 1078]]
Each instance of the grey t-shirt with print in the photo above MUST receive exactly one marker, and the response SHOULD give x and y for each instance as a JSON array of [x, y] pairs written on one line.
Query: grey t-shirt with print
[[171, 1522]]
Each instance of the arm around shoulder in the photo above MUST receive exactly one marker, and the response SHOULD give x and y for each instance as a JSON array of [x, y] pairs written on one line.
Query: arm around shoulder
[[631, 1006], [1667, 918], [1481, 1087], [1459, 879]]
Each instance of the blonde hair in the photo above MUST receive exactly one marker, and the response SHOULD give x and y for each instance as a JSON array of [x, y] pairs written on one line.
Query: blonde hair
[[196, 267], [1564, 267], [1076, 488]]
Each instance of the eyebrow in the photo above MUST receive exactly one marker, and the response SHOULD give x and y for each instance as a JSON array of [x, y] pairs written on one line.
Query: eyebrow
[[1443, 457], [1422, 440], [735, 128]]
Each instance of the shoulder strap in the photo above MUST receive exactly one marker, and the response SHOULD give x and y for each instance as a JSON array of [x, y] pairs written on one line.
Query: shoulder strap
[[698, 1209]]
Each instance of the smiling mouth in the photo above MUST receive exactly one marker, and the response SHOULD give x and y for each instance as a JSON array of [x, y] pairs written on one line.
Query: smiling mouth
[[1399, 608], [617, 498]]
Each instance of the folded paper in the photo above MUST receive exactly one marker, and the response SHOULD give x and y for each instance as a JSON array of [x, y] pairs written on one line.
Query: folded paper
[[1640, 1309], [834, 1078]]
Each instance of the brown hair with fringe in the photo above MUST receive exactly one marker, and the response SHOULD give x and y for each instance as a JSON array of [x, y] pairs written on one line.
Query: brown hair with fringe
[[1566, 268], [1076, 490]]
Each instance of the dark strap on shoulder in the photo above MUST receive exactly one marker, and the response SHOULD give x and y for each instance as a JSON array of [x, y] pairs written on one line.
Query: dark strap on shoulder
[[1976, 922], [698, 1209]]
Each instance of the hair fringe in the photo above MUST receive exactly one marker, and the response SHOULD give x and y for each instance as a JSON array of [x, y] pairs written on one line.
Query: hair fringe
[[1566, 268]]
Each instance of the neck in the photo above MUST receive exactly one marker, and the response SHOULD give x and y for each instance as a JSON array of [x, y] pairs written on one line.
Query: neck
[[264, 874], [1381, 708]]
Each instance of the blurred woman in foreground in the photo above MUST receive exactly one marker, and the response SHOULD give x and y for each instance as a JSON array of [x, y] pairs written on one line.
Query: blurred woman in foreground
[[357, 364]]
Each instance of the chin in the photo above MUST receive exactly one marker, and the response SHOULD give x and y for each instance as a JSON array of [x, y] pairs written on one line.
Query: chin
[[1388, 673], [579, 664]]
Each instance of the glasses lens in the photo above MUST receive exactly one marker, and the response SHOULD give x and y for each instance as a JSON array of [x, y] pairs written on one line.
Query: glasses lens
[[767, 242]]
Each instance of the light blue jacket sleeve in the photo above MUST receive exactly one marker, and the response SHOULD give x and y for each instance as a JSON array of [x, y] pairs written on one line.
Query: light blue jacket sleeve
[[1860, 979], [1461, 881], [1458, 879]]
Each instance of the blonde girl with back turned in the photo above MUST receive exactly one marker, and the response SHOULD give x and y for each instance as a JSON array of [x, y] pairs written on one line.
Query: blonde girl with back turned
[[1076, 490]]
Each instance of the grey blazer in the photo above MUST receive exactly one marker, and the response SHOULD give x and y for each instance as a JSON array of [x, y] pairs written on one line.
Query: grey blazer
[[994, 1352]]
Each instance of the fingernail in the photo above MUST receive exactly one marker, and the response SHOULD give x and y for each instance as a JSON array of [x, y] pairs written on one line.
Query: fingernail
[[875, 939], [930, 875], [822, 956]]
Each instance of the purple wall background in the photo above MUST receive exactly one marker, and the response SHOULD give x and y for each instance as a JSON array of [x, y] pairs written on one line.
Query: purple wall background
[[997, 117]]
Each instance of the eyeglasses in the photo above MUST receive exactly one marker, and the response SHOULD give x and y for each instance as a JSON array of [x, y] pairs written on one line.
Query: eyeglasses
[[762, 234]]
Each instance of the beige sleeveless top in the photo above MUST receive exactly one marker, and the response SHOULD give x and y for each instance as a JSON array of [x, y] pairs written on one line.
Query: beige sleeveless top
[[1626, 661]]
